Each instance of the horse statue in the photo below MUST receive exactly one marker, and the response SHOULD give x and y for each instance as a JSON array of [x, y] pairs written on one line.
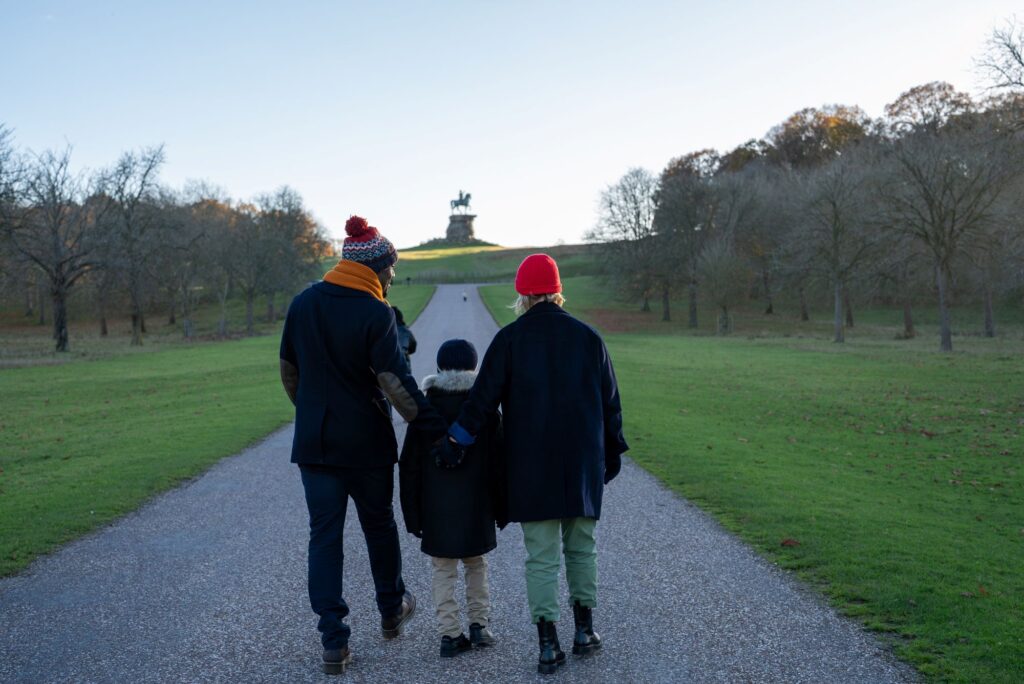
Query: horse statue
[[463, 201]]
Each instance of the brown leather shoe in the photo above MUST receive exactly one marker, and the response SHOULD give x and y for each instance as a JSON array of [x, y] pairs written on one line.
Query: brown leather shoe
[[392, 626], [335, 660]]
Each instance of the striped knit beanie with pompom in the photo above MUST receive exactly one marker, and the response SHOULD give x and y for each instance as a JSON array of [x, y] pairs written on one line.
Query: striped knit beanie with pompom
[[367, 246]]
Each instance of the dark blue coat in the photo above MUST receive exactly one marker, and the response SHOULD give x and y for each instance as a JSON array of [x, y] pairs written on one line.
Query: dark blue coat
[[553, 378], [344, 343]]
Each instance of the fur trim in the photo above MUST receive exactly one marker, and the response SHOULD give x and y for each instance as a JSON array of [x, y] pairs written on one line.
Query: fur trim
[[450, 381]]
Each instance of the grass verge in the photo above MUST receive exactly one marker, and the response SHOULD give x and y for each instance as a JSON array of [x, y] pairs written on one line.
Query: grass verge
[[888, 477], [84, 443]]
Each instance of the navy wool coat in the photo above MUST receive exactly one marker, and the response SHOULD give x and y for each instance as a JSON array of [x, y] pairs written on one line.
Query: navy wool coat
[[553, 378], [344, 343], [453, 510]]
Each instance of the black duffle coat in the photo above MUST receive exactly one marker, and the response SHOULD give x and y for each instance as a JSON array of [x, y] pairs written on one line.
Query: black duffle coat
[[454, 510], [553, 379]]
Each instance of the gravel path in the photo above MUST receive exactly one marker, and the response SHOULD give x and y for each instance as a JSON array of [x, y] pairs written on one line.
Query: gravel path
[[207, 583]]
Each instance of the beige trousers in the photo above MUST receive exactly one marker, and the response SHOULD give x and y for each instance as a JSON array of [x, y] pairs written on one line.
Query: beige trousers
[[478, 600]]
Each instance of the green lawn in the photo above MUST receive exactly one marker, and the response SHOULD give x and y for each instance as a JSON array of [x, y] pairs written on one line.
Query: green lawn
[[82, 443], [23, 343], [897, 470]]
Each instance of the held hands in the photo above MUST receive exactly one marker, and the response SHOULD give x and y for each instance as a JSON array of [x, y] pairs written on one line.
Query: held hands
[[447, 453]]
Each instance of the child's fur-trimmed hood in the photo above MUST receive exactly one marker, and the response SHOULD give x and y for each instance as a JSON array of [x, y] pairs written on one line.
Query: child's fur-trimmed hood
[[454, 381]]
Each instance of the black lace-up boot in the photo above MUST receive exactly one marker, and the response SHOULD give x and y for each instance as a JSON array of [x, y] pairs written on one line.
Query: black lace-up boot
[[551, 655], [586, 640]]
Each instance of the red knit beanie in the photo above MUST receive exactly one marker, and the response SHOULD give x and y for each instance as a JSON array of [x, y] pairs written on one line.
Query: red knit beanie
[[538, 275]]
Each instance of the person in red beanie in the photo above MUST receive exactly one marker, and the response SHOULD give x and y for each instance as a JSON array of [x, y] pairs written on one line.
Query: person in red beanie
[[553, 379]]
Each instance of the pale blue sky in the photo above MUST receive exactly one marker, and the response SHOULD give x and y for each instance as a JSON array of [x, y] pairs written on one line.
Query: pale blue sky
[[388, 109]]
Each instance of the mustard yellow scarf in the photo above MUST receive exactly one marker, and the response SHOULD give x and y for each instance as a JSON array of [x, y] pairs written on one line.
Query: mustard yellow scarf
[[354, 275]]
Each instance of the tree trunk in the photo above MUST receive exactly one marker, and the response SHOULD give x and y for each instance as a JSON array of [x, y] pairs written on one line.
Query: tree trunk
[[908, 320], [270, 308], [142, 322], [250, 324], [136, 331], [222, 324], [945, 327], [666, 313], [766, 278], [990, 321], [172, 317], [724, 326], [30, 309], [60, 318], [804, 315], [849, 309], [186, 316], [646, 306], [692, 323], [838, 314]]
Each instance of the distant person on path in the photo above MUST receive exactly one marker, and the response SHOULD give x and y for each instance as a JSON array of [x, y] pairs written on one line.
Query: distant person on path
[[341, 366], [406, 340], [453, 509], [553, 379], [464, 297]]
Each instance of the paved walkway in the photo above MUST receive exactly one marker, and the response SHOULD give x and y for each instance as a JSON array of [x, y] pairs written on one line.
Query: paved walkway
[[207, 584]]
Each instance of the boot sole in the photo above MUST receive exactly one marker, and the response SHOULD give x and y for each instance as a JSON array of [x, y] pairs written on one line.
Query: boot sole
[[584, 651], [337, 668], [550, 668]]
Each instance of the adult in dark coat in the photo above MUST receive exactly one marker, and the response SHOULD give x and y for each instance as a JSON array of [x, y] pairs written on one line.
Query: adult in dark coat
[[553, 379], [342, 368]]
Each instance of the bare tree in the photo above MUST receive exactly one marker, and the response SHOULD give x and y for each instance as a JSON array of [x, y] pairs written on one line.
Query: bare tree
[[836, 235], [625, 228], [132, 184], [725, 276], [1002, 63], [687, 213], [57, 228], [942, 188]]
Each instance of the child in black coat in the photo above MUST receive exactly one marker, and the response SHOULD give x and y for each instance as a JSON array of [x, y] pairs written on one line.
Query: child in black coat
[[454, 510]]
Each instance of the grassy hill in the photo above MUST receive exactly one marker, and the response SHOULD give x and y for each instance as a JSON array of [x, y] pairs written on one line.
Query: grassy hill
[[486, 264]]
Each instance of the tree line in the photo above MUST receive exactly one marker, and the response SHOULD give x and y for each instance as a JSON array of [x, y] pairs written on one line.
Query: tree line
[[926, 200], [132, 244]]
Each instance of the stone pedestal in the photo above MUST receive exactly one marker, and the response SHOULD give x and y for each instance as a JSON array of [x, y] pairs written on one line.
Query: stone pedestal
[[460, 228]]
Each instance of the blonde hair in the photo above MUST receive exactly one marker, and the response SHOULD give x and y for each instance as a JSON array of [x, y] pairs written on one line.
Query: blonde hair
[[523, 303]]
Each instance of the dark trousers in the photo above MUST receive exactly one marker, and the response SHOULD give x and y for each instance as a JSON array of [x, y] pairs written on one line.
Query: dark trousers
[[327, 493]]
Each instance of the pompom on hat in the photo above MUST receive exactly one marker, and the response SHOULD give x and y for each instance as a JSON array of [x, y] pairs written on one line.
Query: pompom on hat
[[538, 275], [365, 245]]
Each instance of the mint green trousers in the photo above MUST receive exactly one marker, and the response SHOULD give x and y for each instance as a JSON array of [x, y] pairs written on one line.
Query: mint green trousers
[[546, 542]]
